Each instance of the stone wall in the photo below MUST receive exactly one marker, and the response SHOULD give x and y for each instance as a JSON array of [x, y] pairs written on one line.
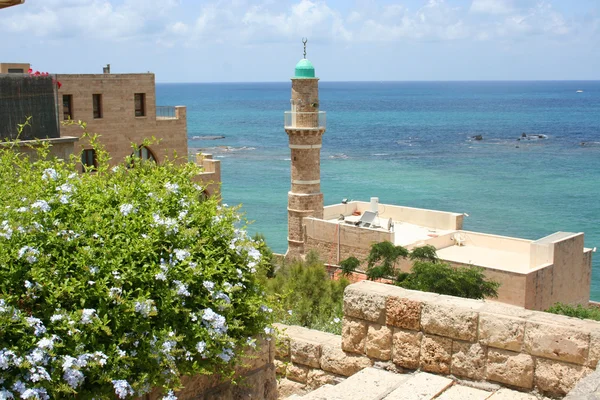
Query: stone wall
[[254, 376], [469, 339]]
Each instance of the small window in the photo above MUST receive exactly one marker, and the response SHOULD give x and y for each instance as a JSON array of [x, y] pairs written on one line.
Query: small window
[[140, 104], [15, 70], [67, 106], [97, 99], [88, 160]]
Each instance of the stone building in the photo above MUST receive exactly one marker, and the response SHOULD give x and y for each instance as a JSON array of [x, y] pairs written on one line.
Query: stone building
[[122, 110], [534, 274]]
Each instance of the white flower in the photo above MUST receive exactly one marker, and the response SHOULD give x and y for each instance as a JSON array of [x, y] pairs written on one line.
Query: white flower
[[56, 317], [181, 254], [251, 342], [37, 394], [160, 276], [46, 343], [122, 388], [39, 373], [215, 322], [37, 325], [172, 187], [115, 169], [86, 315], [93, 270], [64, 199], [65, 188], [30, 252], [49, 173], [42, 205], [290, 312], [5, 394], [182, 289], [208, 285], [6, 231], [74, 377], [91, 283], [170, 396], [201, 347], [226, 355], [268, 330], [126, 209], [336, 320], [145, 307]]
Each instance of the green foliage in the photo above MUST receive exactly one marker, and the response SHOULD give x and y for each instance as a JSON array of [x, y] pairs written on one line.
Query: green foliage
[[304, 295], [442, 278], [120, 280], [424, 253], [427, 273], [577, 311], [349, 265], [266, 253], [385, 255]]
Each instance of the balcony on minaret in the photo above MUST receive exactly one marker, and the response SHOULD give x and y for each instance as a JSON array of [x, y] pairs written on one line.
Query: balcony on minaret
[[305, 120]]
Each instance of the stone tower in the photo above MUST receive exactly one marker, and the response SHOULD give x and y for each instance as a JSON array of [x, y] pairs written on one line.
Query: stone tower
[[305, 126]]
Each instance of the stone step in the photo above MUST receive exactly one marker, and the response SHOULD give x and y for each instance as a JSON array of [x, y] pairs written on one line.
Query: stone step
[[420, 386], [368, 384], [458, 392]]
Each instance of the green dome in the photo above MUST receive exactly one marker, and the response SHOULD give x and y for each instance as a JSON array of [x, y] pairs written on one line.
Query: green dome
[[304, 69]]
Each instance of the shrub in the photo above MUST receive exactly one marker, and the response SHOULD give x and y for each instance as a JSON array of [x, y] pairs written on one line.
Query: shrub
[[306, 296], [577, 311], [442, 278], [118, 281], [428, 274]]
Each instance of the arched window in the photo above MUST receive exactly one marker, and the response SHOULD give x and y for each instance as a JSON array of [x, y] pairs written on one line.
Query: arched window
[[145, 154]]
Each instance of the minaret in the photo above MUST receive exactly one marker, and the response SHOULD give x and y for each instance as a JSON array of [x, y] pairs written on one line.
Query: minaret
[[305, 126]]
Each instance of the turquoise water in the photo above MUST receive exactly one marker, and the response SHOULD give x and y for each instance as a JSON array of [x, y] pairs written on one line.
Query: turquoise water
[[409, 143]]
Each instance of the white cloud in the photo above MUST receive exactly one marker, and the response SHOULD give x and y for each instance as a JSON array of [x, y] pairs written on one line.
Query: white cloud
[[493, 7]]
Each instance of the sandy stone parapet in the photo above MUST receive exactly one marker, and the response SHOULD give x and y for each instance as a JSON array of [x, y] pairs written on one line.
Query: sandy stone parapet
[[469, 339]]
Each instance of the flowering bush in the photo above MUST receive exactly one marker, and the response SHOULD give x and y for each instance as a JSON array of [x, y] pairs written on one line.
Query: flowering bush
[[117, 281]]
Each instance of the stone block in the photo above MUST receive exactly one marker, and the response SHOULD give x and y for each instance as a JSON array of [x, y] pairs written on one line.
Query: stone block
[[317, 378], [379, 342], [403, 313], [363, 304], [305, 352], [436, 353], [287, 388], [282, 347], [515, 369], [420, 386], [406, 348], [334, 360], [280, 367], [297, 372], [448, 321], [594, 353], [501, 332], [508, 394], [354, 335], [556, 342], [458, 392], [468, 360], [558, 378]]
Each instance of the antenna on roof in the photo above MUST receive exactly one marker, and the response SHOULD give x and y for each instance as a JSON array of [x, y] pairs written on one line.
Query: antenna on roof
[[304, 40]]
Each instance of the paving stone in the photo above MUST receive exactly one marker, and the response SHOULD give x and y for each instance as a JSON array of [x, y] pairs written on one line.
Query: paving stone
[[458, 392], [368, 384], [508, 394], [421, 386]]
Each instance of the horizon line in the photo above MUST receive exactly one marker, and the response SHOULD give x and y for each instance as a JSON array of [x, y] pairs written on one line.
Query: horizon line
[[400, 81]]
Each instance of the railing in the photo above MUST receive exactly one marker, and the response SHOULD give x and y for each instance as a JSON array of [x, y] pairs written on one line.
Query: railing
[[305, 120], [165, 112]]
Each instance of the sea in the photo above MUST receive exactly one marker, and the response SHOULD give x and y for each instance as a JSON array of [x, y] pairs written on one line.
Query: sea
[[535, 171]]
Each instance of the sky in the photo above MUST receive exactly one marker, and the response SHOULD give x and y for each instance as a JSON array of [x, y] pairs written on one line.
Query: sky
[[348, 40]]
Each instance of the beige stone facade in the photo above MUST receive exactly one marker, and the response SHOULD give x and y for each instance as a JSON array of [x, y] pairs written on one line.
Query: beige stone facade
[[122, 110], [11, 68]]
